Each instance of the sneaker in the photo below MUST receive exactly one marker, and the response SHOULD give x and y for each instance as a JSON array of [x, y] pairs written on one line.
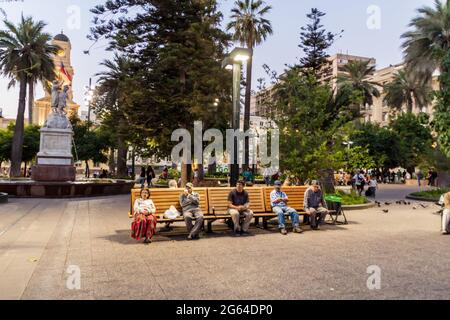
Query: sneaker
[[315, 228], [283, 232], [237, 233], [190, 238], [245, 233], [298, 230], [148, 241]]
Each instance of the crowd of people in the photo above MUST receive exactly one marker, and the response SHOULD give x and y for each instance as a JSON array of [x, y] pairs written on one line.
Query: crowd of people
[[239, 209]]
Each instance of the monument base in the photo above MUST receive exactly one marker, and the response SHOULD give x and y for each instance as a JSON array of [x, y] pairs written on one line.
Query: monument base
[[52, 173]]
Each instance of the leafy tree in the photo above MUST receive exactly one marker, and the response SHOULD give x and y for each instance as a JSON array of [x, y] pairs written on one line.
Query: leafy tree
[[89, 145], [441, 121], [415, 138], [315, 42], [178, 46], [407, 89], [5, 145], [383, 144], [250, 29], [355, 158], [24, 50], [428, 42], [356, 76]]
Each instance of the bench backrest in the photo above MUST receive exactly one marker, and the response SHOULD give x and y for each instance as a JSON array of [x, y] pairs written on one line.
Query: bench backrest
[[218, 199], [296, 197], [165, 198]]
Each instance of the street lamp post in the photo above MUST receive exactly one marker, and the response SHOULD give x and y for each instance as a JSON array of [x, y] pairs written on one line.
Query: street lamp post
[[234, 62], [89, 94]]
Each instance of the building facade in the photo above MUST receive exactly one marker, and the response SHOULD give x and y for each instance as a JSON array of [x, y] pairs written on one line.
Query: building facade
[[379, 112]]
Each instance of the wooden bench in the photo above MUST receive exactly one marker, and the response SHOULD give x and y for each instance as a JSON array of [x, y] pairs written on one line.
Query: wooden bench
[[165, 198], [214, 203], [218, 202]]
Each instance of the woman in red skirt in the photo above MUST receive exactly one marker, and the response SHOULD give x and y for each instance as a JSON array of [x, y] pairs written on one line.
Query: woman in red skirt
[[144, 224]]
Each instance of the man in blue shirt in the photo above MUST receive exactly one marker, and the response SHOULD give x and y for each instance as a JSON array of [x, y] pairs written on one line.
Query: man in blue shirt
[[278, 201]]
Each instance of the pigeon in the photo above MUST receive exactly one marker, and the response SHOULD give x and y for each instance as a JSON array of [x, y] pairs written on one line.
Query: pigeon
[[386, 211], [423, 206], [414, 207], [388, 203]]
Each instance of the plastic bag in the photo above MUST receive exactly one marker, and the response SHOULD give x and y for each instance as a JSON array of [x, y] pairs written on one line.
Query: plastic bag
[[172, 213]]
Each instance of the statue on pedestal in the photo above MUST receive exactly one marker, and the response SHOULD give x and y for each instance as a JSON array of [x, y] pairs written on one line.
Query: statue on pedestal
[[58, 118]]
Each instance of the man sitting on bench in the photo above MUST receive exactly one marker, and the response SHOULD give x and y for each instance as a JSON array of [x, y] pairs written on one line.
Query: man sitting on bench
[[278, 201], [315, 205], [190, 202], [239, 204]]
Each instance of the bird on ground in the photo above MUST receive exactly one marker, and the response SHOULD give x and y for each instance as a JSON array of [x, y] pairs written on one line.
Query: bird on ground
[[386, 211], [388, 203]]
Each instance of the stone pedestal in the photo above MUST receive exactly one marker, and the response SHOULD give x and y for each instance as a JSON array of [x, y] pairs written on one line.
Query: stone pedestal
[[55, 160]]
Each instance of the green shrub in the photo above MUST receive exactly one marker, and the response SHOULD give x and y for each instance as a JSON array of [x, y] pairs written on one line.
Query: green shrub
[[431, 194]]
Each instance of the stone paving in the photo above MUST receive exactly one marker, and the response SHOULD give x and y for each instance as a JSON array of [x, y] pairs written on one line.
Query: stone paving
[[40, 239]]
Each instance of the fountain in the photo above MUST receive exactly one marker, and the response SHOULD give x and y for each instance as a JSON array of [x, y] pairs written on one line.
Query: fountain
[[54, 175]]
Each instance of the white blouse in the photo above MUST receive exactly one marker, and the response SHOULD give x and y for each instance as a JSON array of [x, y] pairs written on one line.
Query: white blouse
[[142, 206]]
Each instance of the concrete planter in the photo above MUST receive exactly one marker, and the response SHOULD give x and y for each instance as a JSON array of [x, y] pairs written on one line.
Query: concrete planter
[[410, 197], [32, 189], [360, 206], [3, 197]]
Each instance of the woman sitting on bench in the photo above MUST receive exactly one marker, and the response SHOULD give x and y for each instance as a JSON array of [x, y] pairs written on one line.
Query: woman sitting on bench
[[144, 224]]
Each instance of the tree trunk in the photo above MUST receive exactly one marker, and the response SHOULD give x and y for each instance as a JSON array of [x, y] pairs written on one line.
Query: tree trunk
[[87, 172], [327, 181], [201, 172], [122, 150], [248, 96], [30, 100], [25, 170], [133, 164], [16, 152], [186, 170], [112, 161]]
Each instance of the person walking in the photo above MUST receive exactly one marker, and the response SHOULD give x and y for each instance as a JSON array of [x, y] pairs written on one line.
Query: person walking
[[150, 176], [446, 214], [142, 177]]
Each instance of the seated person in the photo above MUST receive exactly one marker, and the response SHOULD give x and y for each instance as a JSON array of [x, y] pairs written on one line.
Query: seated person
[[239, 204], [315, 205], [190, 202], [278, 201], [144, 224]]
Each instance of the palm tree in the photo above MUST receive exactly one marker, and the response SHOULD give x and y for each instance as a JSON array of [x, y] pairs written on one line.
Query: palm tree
[[356, 76], [407, 90], [250, 29], [111, 87], [428, 42], [24, 49]]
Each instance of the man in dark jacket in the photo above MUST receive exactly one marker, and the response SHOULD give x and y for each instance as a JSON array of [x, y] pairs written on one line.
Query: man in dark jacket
[[190, 202], [315, 205]]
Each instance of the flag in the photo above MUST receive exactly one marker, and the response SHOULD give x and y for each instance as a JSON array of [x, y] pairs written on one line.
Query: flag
[[64, 72]]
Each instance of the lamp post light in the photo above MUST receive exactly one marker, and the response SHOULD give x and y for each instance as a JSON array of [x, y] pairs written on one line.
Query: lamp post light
[[88, 97], [234, 62]]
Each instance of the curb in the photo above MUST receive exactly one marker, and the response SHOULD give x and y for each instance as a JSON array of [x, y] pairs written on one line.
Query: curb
[[421, 199], [359, 206], [3, 197]]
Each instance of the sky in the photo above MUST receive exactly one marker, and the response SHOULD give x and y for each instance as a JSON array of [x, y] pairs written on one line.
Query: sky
[[371, 28]]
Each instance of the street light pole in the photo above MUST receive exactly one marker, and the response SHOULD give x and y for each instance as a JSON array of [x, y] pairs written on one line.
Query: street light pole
[[89, 103], [236, 120], [234, 61]]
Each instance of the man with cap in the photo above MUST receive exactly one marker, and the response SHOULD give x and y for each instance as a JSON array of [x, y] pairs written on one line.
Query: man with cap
[[279, 201], [190, 203], [315, 205]]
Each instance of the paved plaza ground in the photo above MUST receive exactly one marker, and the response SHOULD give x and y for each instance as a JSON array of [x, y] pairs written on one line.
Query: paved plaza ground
[[39, 239]]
